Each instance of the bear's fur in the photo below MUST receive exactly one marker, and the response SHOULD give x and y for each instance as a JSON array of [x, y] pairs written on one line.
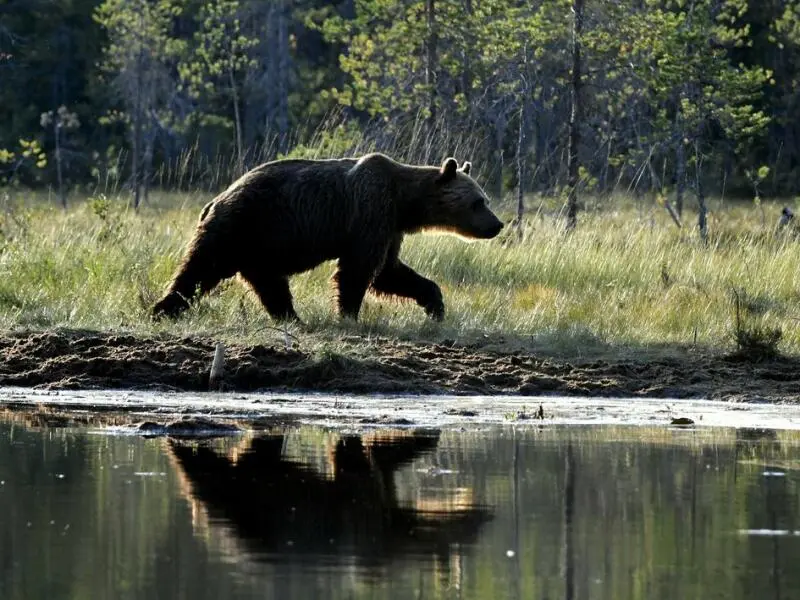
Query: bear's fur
[[289, 216]]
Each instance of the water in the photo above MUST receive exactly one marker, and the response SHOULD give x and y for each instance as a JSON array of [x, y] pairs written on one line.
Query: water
[[498, 512]]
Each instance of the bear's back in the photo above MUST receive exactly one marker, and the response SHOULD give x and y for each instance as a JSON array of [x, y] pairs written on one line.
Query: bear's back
[[297, 209]]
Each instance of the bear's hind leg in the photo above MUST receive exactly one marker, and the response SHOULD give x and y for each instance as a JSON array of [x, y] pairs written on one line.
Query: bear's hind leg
[[274, 293], [352, 280]]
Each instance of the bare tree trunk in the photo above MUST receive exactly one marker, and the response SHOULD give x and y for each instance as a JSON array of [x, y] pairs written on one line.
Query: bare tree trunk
[[137, 120], [702, 211], [466, 75], [136, 148], [522, 147], [602, 183], [237, 122], [430, 62], [62, 197], [283, 78], [499, 135], [147, 163], [574, 116], [680, 166]]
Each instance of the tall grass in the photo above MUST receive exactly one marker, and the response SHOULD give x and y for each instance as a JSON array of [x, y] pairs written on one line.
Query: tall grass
[[626, 279], [412, 139]]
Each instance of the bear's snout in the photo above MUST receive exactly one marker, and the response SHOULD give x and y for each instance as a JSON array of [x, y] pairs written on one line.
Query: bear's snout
[[490, 230], [496, 229]]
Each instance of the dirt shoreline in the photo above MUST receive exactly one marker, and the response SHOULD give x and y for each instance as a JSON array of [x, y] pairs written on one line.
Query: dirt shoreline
[[76, 360]]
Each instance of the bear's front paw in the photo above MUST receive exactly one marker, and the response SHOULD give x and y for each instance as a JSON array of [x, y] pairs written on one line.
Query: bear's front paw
[[435, 312], [434, 307], [170, 306]]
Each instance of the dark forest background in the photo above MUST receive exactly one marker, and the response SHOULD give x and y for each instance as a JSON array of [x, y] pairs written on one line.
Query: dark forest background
[[669, 97]]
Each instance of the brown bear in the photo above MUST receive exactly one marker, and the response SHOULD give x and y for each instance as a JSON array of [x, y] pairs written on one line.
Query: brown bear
[[288, 216]]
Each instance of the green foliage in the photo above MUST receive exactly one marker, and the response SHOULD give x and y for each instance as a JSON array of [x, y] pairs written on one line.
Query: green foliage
[[28, 158], [338, 141], [140, 42], [219, 51], [138, 60], [169, 78]]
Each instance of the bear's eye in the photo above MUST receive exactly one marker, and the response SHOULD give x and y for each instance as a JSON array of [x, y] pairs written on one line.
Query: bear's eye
[[477, 204]]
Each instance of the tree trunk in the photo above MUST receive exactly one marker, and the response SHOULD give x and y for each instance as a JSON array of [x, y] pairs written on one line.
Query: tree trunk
[[702, 211], [466, 75], [522, 146], [430, 62], [135, 150], [62, 197], [680, 166], [574, 116], [147, 163], [137, 120], [237, 122], [499, 136], [283, 78]]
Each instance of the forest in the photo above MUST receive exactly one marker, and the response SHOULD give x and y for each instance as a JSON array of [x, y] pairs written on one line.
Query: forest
[[679, 99]]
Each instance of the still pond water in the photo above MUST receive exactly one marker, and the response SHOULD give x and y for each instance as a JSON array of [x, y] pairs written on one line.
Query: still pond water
[[501, 512]]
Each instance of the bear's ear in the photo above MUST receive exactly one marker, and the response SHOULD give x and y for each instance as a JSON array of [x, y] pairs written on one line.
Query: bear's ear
[[466, 167], [448, 170]]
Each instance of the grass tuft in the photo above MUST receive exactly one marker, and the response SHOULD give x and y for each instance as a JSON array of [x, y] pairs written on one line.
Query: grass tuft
[[754, 342]]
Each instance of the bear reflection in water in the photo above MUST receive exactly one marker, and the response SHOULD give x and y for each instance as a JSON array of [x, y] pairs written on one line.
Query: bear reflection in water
[[280, 509]]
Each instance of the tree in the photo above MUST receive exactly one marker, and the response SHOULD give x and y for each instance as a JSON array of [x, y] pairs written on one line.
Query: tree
[[669, 73], [520, 72], [219, 59], [61, 121], [574, 115], [140, 58]]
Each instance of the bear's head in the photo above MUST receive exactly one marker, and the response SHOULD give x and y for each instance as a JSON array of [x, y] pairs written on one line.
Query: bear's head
[[458, 204]]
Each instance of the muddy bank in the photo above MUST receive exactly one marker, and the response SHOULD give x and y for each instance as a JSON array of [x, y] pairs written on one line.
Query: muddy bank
[[89, 360]]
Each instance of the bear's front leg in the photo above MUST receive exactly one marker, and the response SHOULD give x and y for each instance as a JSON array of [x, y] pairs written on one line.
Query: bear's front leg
[[401, 280]]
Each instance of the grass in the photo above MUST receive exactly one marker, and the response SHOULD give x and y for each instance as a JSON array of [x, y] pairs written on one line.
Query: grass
[[627, 279]]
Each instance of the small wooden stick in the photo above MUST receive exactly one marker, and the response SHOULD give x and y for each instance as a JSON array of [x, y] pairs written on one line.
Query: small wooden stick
[[217, 368]]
